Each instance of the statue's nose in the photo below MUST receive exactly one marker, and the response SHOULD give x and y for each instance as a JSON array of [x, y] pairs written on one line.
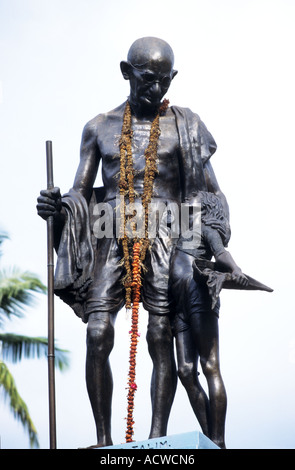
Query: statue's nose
[[156, 89]]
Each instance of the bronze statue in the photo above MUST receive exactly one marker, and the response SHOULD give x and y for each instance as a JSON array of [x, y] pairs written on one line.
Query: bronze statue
[[151, 154]]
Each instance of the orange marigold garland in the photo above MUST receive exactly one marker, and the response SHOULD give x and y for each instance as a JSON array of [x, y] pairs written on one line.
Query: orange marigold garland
[[134, 249], [132, 387], [124, 187]]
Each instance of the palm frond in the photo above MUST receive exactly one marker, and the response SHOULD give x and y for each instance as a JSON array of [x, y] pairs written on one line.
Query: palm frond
[[15, 347], [16, 291], [17, 405], [3, 236]]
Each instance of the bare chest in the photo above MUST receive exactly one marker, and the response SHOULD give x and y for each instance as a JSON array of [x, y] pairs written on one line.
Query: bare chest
[[167, 180], [168, 143]]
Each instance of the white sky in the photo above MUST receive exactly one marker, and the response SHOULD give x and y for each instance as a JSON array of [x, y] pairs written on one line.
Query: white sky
[[59, 67]]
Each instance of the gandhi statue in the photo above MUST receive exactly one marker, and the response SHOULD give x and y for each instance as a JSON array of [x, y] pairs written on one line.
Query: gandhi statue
[[90, 273]]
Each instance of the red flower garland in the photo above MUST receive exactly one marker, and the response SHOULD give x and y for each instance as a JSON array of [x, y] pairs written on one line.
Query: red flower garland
[[132, 280], [136, 284]]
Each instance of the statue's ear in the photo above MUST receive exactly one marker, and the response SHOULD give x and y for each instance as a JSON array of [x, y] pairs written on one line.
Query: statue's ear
[[125, 69], [174, 72]]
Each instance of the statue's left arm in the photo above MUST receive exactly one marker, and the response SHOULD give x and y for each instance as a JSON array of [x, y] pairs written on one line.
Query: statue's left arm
[[213, 186]]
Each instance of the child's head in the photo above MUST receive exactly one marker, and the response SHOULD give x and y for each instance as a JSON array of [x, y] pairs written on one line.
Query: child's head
[[211, 208]]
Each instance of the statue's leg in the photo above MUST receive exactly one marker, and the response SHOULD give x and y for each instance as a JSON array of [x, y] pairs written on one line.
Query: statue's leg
[[156, 301], [187, 360], [100, 341], [183, 291], [105, 298], [205, 334], [164, 377]]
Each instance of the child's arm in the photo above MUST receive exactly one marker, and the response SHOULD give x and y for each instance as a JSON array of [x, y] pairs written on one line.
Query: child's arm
[[226, 260], [223, 257]]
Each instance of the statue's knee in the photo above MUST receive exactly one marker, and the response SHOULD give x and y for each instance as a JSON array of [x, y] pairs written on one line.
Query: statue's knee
[[186, 373], [100, 334], [159, 332], [209, 367]]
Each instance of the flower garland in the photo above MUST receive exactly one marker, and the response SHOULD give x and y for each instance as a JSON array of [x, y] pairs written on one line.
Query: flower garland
[[134, 248], [132, 387]]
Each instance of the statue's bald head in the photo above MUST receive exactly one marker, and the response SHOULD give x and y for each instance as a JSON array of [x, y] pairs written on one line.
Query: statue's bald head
[[150, 50], [149, 69]]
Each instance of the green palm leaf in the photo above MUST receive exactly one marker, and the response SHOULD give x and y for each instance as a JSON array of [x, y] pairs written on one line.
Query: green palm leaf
[[16, 291], [3, 236], [15, 347], [17, 405]]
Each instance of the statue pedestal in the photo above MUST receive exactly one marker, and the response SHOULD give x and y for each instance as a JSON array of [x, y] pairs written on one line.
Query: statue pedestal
[[190, 440]]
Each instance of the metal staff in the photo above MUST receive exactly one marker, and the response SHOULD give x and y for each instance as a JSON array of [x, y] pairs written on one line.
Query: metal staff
[[50, 297]]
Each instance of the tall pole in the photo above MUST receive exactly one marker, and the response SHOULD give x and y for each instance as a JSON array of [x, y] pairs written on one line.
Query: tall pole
[[50, 294]]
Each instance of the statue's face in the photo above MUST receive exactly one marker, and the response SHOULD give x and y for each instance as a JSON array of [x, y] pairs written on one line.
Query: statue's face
[[149, 69], [150, 82]]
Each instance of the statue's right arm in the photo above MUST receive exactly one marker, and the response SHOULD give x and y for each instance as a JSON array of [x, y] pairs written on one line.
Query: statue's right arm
[[89, 161], [49, 201]]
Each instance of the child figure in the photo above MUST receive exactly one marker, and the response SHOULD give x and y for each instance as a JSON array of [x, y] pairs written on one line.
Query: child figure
[[225, 269], [196, 306]]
